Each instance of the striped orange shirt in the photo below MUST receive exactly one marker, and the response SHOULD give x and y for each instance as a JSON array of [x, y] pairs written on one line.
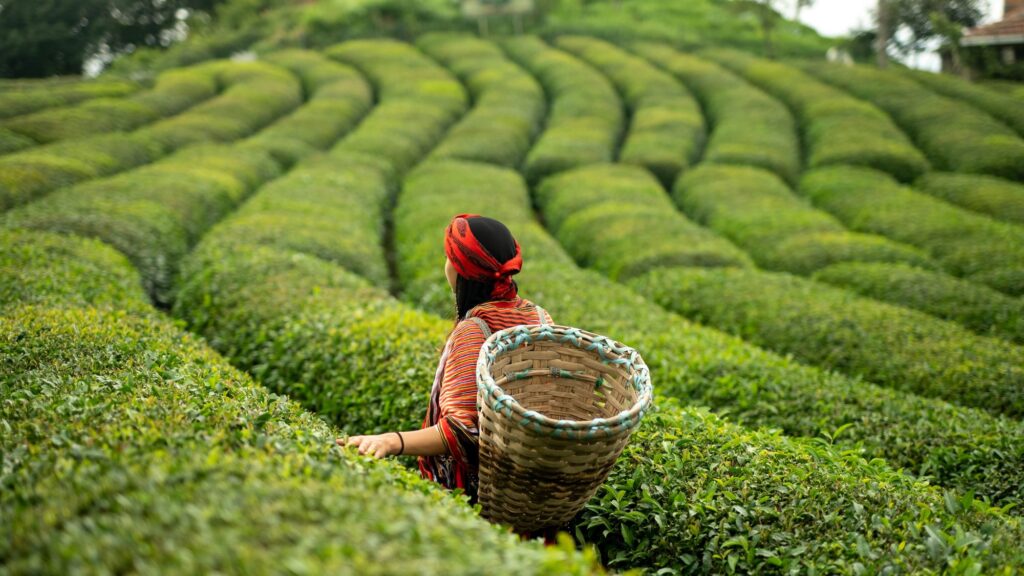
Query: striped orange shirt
[[458, 387]]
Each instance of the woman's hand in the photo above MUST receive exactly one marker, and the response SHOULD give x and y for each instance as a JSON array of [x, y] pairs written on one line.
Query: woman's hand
[[376, 445]]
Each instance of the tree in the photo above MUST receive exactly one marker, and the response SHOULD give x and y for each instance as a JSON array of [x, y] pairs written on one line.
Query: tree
[[47, 37], [921, 22], [767, 17], [798, 8]]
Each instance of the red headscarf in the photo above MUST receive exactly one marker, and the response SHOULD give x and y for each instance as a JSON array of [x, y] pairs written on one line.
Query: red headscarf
[[473, 262]]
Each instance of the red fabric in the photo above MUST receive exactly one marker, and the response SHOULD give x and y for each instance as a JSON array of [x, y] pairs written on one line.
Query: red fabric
[[473, 262]]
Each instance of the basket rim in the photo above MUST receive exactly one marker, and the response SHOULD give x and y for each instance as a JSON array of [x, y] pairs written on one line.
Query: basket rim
[[608, 349]]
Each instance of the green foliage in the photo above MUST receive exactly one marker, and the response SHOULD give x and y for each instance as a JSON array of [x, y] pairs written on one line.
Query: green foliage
[[419, 101], [153, 214], [508, 108], [824, 326], [617, 219], [689, 483], [41, 39], [666, 130], [980, 308], [837, 129], [988, 195], [1003, 107], [758, 211], [120, 423], [690, 24], [31, 173], [174, 91], [748, 127], [338, 98], [257, 94], [966, 244], [48, 270], [33, 99], [157, 213], [954, 135], [585, 118]]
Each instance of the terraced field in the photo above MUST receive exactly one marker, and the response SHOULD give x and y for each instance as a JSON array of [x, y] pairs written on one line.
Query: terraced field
[[206, 280]]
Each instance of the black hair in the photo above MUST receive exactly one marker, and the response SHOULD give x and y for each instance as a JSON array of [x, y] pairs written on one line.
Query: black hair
[[496, 238]]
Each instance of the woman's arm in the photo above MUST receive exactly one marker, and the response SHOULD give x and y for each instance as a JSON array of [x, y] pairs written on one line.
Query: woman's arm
[[423, 442]]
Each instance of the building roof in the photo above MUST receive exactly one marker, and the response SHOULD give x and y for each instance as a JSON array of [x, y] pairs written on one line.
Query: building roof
[[1009, 30]]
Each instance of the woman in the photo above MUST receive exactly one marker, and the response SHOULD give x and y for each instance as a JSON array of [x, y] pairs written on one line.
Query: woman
[[482, 257]]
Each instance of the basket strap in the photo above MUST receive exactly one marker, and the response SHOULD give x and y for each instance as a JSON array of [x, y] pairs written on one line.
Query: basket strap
[[483, 326], [540, 314]]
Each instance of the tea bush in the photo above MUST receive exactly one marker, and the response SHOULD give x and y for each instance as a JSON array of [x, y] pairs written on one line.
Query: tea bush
[[258, 94], [18, 97], [338, 97], [509, 105], [758, 211], [962, 447], [966, 244], [988, 195], [636, 226], [157, 213], [893, 346], [689, 524], [747, 126], [1002, 106], [980, 308], [418, 99], [666, 131], [837, 129], [954, 135], [49, 270], [174, 91], [585, 118]]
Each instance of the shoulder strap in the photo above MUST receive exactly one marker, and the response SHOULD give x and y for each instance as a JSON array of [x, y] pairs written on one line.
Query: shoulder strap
[[540, 314], [483, 326]]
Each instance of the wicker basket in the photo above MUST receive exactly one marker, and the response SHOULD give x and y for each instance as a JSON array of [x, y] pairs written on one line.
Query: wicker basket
[[557, 406]]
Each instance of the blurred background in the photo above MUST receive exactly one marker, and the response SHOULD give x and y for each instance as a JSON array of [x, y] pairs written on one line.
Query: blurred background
[[975, 38]]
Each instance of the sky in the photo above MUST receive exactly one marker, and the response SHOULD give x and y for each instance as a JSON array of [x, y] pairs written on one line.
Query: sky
[[839, 17]]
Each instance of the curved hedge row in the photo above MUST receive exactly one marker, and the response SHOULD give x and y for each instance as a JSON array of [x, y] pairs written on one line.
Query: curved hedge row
[[1002, 106], [980, 308], [157, 213], [419, 101], [692, 492], [175, 91], [967, 244], [219, 475], [837, 128], [666, 131], [748, 127], [585, 119], [338, 97], [955, 136], [258, 94], [28, 98], [988, 195], [508, 108], [638, 227], [818, 324], [758, 211], [824, 326]]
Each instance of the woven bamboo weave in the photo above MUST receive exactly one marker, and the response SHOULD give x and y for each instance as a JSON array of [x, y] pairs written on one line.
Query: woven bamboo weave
[[557, 406]]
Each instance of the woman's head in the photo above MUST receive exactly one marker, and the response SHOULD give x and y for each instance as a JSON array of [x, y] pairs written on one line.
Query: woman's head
[[482, 258]]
